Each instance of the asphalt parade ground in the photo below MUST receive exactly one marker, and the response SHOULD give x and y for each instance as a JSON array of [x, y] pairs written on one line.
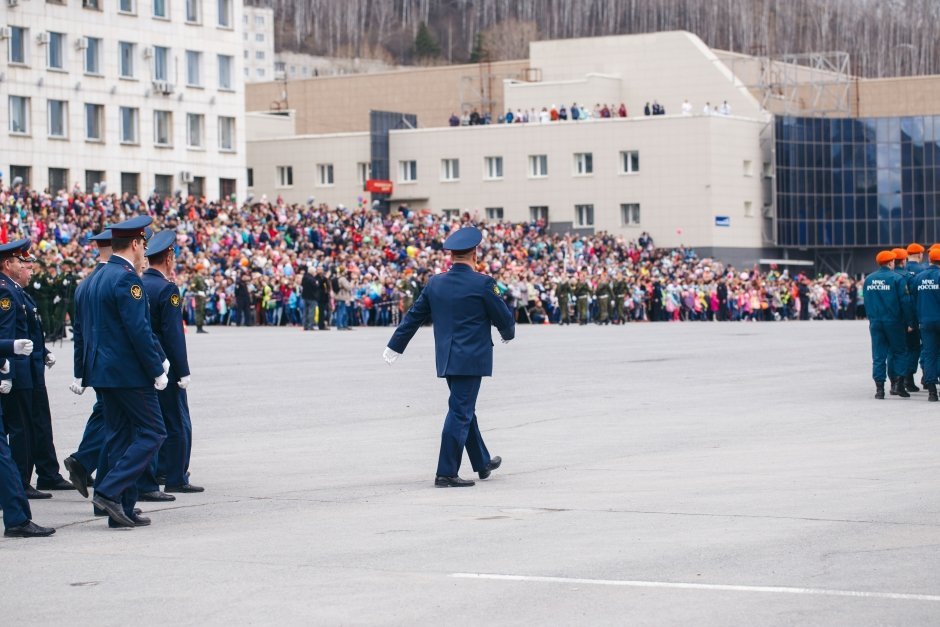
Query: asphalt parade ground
[[667, 474]]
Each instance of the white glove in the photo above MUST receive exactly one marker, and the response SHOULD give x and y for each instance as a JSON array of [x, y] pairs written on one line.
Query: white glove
[[5, 368], [6, 386], [184, 382], [161, 382], [390, 356], [22, 347], [166, 365], [505, 341], [76, 387], [50, 360], [55, 301]]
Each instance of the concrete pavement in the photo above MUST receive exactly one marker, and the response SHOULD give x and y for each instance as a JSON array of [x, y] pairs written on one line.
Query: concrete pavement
[[697, 473]]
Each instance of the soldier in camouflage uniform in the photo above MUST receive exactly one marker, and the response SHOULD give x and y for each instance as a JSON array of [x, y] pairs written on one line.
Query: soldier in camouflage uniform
[[563, 292], [69, 281], [582, 291], [199, 288], [604, 294], [621, 289]]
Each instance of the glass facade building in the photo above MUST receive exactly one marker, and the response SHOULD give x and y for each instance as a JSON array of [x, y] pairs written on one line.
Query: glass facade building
[[859, 182]]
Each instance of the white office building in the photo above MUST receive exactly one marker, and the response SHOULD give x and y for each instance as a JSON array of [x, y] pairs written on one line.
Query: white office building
[[258, 43], [138, 94]]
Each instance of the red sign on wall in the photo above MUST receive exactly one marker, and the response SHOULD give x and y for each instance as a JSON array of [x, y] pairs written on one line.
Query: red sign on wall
[[378, 186]]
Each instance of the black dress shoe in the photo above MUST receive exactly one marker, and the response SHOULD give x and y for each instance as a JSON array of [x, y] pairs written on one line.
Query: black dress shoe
[[156, 496], [58, 484], [139, 521], [77, 475], [33, 493], [188, 488], [28, 529], [101, 512], [490, 467], [451, 482], [115, 510]]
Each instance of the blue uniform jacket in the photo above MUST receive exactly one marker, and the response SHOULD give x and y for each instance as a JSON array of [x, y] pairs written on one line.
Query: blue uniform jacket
[[14, 325], [888, 298], [463, 304], [78, 351], [118, 343], [37, 359], [927, 295], [166, 319]]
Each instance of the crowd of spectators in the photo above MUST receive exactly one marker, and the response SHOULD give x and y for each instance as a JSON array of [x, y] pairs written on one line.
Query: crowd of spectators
[[268, 262]]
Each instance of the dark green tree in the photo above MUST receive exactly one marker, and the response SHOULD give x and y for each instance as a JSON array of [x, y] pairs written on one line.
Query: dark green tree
[[479, 54], [425, 45]]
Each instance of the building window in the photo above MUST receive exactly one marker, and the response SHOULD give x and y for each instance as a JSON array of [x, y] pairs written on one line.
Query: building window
[[163, 128], [225, 71], [493, 168], [21, 172], [260, 72], [58, 119], [451, 214], [192, 11], [450, 169], [130, 183], [91, 4], [259, 20], [92, 55], [225, 13], [768, 169], [251, 177], [364, 172], [538, 214], [324, 174], [259, 55], [126, 51], [195, 123], [538, 166], [56, 53], [629, 162], [94, 122], [259, 37], [161, 66], [18, 38], [226, 133], [129, 117], [93, 180], [584, 215], [748, 209], [583, 163], [163, 184], [193, 68], [748, 168], [630, 214], [126, 6], [285, 176], [58, 179], [408, 171], [160, 8], [198, 186], [494, 213], [19, 115], [227, 189]]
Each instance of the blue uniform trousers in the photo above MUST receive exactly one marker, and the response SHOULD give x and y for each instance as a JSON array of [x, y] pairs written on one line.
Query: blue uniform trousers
[[17, 407], [912, 341], [89, 449], [460, 428], [930, 332], [12, 497], [43, 450], [887, 347], [135, 433], [172, 461]]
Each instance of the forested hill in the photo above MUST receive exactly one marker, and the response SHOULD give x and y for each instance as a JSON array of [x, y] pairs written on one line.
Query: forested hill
[[883, 37]]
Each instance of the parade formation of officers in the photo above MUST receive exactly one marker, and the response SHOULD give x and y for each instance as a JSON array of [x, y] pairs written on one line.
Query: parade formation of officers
[[902, 303], [129, 345]]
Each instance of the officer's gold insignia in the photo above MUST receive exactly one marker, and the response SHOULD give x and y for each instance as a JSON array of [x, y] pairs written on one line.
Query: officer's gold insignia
[[136, 292], [175, 300], [496, 290], [5, 304]]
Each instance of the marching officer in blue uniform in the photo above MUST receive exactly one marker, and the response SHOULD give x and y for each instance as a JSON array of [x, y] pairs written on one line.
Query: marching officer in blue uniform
[[166, 319], [30, 432], [121, 361], [889, 308], [927, 297], [13, 501], [89, 455], [912, 336], [915, 265], [463, 305]]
